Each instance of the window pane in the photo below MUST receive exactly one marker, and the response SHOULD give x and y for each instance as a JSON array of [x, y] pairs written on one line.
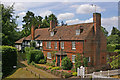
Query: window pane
[[49, 55], [73, 58], [62, 45], [55, 45], [77, 31], [73, 45]]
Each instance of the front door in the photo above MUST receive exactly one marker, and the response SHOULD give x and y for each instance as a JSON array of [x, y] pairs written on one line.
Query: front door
[[58, 60]]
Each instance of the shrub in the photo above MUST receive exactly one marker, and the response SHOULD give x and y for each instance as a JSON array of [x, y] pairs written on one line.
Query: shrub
[[74, 73], [66, 63], [49, 67], [56, 68], [34, 55], [9, 59], [42, 61], [66, 75], [32, 44]]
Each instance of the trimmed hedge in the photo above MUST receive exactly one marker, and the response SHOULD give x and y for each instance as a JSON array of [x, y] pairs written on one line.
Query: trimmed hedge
[[9, 59], [34, 55]]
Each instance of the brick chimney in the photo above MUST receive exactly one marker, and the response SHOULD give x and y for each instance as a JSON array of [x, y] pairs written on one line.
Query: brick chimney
[[32, 32], [97, 22], [53, 24]]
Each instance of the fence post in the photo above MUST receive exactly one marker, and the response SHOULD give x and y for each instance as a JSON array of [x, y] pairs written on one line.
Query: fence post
[[78, 71], [100, 73], [93, 75], [83, 71], [108, 73]]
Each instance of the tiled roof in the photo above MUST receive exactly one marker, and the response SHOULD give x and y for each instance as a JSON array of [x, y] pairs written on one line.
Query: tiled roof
[[63, 32], [20, 40]]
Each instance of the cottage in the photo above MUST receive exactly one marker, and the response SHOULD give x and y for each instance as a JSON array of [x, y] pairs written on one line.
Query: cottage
[[86, 39]]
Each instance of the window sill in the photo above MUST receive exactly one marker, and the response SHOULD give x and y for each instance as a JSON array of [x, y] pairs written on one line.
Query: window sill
[[74, 49], [49, 58]]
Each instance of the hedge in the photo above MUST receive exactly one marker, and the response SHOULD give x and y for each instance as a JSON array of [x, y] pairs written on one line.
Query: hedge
[[9, 59], [34, 55]]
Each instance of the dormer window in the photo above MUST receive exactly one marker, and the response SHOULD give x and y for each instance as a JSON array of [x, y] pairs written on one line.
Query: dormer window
[[52, 33], [78, 32]]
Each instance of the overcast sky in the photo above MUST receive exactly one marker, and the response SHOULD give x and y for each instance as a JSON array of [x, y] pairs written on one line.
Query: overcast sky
[[70, 12]]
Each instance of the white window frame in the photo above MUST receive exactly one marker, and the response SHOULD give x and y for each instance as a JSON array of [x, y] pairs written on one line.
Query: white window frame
[[73, 58], [48, 44], [55, 44], [73, 45], [49, 55], [77, 31], [88, 59], [62, 45]]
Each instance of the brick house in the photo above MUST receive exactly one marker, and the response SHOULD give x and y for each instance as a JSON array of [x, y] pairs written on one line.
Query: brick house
[[86, 39]]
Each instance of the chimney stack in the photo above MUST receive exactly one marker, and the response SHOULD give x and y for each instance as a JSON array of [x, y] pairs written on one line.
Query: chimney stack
[[32, 32], [51, 25], [97, 22]]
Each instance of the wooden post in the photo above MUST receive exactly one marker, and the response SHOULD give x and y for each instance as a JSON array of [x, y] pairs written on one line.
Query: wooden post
[[108, 73]]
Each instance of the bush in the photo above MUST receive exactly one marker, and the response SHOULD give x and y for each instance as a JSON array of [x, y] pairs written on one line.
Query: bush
[[66, 75], [56, 68], [32, 44], [118, 51], [49, 67], [42, 61], [34, 55], [66, 63], [9, 59], [74, 73]]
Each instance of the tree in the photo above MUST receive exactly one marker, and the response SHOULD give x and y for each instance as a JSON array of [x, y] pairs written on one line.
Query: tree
[[113, 39], [28, 20], [115, 31], [104, 31], [9, 26], [78, 61], [115, 62]]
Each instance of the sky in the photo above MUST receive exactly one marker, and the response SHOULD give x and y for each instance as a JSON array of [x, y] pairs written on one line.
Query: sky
[[70, 12]]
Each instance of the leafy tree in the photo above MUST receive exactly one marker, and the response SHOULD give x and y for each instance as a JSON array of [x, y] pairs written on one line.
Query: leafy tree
[[85, 62], [28, 21], [9, 26], [115, 62], [104, 31], [113, 39], [115, 31]]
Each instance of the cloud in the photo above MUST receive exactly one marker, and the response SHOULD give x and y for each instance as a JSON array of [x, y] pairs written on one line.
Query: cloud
[[45, 13], [22, 14], [107, 23], [65, 16], [87, 8], [77, 21], [20, 28], [19, 6]]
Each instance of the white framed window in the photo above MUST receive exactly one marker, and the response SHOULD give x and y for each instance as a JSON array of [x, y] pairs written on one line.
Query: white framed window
[[73, 45], [49, 55], [49, 44], [78, 32], [73, 58], [88, 59], [40, 43], [62, 45], [55, 45], [52, 33]]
